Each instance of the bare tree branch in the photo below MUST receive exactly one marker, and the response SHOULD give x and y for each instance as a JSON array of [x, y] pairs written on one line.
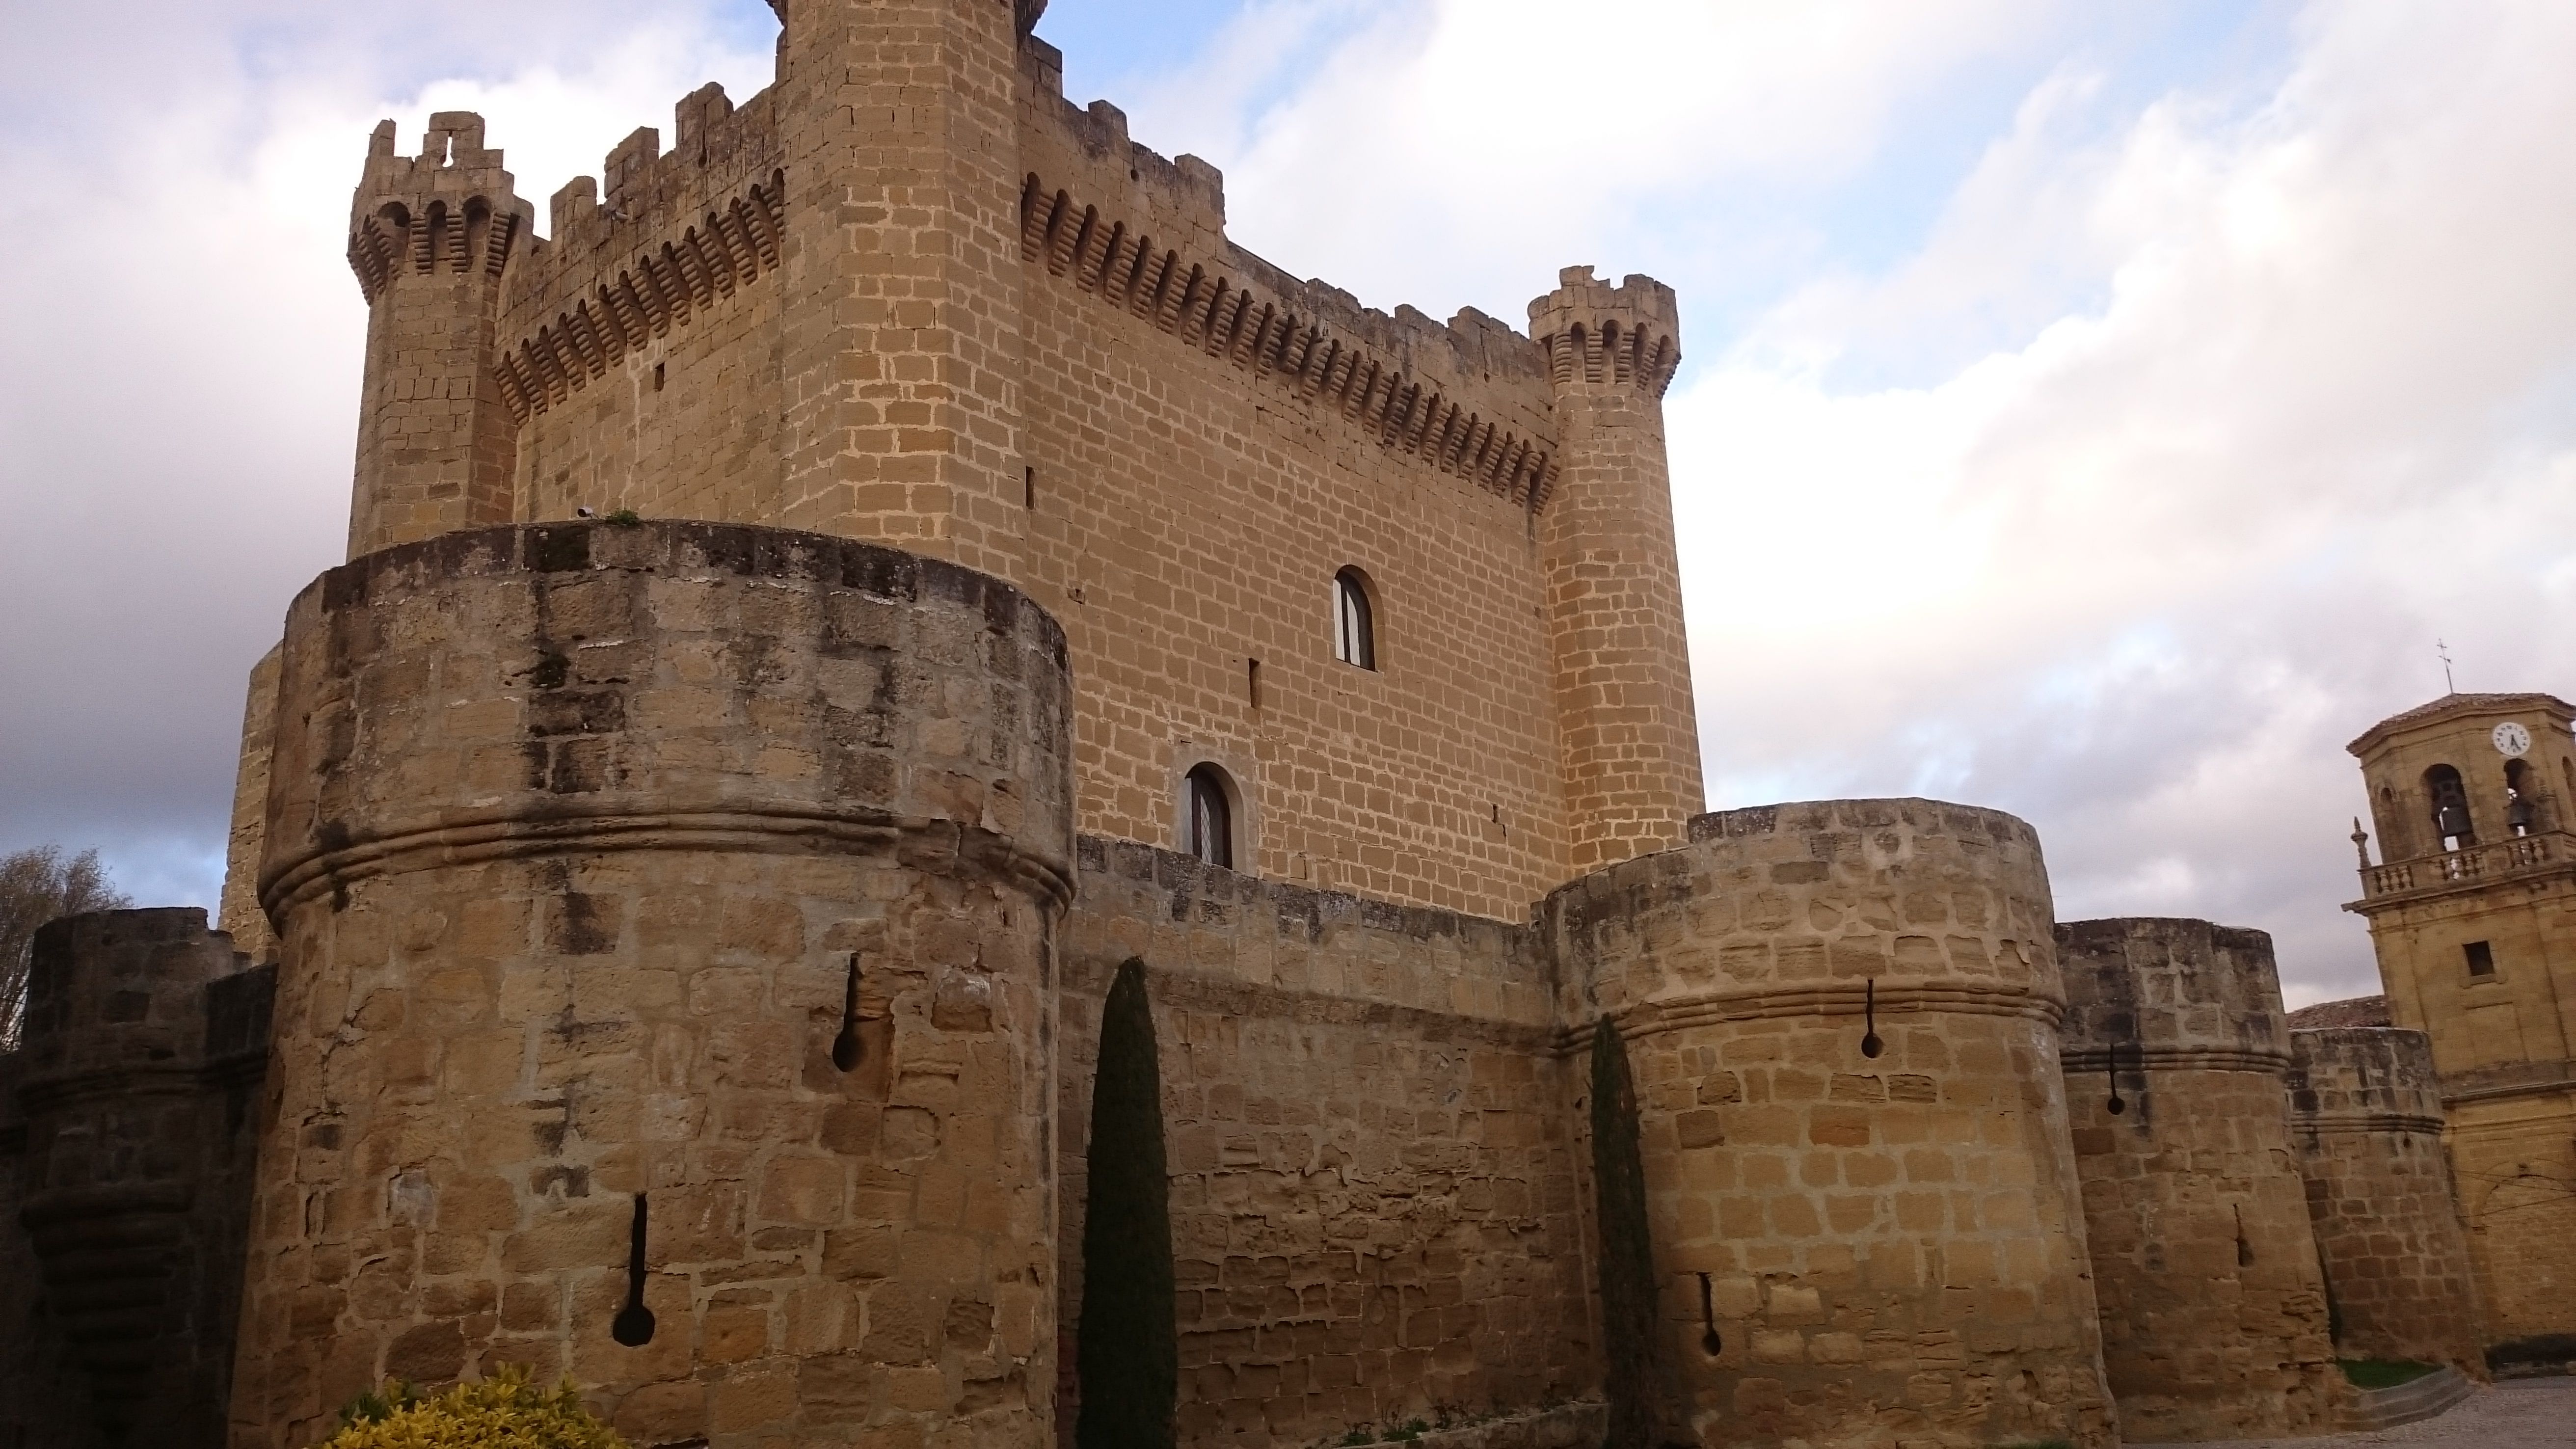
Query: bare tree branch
[[36, 886]]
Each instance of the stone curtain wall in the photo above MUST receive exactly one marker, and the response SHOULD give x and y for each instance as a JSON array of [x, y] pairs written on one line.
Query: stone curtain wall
[[2366, 1116], [1374, 1173], [2213, 1306], [1889, 1244], [573, 834], [126, 1149]]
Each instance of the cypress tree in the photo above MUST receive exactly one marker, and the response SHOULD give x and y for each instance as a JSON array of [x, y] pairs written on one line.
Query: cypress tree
[[1634, 1378], [1128, 1355]]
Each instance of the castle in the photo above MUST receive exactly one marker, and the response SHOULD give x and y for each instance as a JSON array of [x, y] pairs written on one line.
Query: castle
[[862, 574]]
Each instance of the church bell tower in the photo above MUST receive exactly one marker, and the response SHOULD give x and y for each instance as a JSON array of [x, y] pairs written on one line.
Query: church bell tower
[[2472, 910]]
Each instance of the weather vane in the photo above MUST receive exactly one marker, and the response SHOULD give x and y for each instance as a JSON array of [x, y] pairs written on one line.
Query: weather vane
[[2444, 652]]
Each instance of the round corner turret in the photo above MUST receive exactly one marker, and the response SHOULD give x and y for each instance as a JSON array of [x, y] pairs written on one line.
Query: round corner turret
[[1596, 334]]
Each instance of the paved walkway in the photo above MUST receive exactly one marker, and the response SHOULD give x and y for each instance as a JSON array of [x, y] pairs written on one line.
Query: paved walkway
[[2515, 1414]]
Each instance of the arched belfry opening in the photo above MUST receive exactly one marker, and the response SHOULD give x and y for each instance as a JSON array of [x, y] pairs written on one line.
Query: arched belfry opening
[[2521, 803], [2448, 797]]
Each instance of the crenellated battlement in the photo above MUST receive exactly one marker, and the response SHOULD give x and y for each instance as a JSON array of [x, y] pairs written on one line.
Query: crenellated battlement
[[672, 232], [1278, 340], [451, 209], [1146, 233], [729, 247], [1595, 333]]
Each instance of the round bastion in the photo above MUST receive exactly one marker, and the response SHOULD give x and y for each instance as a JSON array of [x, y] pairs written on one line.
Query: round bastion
[[2366, 1117], [665, 919], [2214, 1320], [1841, 1018]]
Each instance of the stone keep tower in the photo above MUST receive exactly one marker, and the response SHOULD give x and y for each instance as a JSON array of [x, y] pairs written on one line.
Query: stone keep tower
[[2472, 910]]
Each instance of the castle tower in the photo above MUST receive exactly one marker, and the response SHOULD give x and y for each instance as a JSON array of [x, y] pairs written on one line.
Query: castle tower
[[429, 237], [145, 1041], [2213, 1309], [666, 918], [2366, 1116], [2472, 911], [1841, 1020], [1627, 730], [900, 349]]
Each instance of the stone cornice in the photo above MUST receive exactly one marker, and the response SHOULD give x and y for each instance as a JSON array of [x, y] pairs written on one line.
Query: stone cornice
[[1841, 1002], [506, 832], [2150, 1056]]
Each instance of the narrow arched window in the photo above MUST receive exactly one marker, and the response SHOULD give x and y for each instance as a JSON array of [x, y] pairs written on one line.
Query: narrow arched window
[[1209, 816], [1354, 620], [2449, 797]]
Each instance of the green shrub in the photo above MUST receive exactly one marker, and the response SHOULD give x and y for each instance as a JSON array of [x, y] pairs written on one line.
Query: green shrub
[[1127, 1358], [504, 1411], [1634, 1377], [624, 518], [2383, 1373]]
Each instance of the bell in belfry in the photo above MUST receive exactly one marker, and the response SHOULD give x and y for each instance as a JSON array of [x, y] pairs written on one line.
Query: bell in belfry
[[2519, 813], [2451, 818]]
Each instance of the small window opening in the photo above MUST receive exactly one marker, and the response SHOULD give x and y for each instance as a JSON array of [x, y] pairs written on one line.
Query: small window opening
[[1354, 623], [2450, 801], [2520, 811], [1252, 683], [2481, 956], [657, 377], [1029, 488], [1211, 816]]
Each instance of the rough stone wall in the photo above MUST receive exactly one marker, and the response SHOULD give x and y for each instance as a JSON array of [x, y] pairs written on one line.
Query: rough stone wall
[[1375, 1205], [239, 915], [131, 1122], [2366, 1116], [2514, 1160], [1886, 1245], [574, 841], [42, 1402], [2213, 1306]]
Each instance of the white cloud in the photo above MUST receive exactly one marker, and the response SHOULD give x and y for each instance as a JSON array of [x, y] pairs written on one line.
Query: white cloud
[[2145, 570], [1452, 151], [181, 367]]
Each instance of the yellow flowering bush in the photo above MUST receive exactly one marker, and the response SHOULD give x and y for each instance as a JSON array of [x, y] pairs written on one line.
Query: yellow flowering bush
[[504, 1411]]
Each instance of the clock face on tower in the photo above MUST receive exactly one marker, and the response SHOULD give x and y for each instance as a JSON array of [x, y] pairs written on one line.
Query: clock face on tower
[[2511, 739]]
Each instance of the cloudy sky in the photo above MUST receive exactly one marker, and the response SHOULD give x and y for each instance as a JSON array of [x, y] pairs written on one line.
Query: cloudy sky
[[2092, 411]]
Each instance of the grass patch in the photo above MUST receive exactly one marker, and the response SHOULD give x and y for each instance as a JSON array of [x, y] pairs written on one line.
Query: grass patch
[[2383, 1373]]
